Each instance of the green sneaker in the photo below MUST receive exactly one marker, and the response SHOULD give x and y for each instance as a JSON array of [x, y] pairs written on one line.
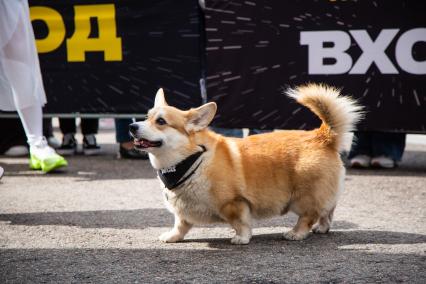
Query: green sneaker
[[43, 157], [48, 164]]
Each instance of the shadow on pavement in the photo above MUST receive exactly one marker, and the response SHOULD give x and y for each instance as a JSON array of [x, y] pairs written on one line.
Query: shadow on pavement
[[332, 240], [120, 219], [132, 219], [268, 259], [340, 256]]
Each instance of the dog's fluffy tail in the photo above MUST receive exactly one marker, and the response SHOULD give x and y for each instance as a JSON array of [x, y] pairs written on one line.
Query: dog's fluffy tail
[[339, 114]]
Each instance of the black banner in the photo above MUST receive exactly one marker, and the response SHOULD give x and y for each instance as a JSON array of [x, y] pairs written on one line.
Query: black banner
[[373, 50], [105, 56]]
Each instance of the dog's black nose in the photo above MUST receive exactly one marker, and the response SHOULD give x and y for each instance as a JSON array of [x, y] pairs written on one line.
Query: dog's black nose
[[133, 127]]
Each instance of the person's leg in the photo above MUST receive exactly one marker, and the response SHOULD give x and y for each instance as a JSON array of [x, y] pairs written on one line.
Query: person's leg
[[47, 127], [122, 136], [48, 133], [360, 153], [67, 126], [90, 127], [20, 60], [390, 145], [41, 155], [69, 143], [387, 149], [361, 144], [21, 67], [122, 130], [31, 119]]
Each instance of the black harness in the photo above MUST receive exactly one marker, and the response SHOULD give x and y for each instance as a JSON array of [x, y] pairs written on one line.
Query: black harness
[[176, 175]]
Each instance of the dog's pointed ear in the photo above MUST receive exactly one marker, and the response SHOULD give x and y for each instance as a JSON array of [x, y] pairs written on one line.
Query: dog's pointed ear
[[159, 98], [201, 117]]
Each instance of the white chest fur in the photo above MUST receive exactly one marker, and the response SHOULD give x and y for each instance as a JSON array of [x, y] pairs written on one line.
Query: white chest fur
[[192, 201]]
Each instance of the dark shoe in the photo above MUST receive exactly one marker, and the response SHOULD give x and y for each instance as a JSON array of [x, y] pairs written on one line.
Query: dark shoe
[[68, 146], [132, 154], [90, 147], [53, 142]]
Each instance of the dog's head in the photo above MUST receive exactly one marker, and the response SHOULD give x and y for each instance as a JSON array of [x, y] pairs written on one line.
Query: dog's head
[[168, 128]]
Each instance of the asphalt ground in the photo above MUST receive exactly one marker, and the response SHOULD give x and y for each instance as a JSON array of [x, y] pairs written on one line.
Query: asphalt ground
[[98, 222]]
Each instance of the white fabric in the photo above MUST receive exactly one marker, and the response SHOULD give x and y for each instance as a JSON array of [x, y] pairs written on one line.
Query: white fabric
[[21, 84], [32, 120]]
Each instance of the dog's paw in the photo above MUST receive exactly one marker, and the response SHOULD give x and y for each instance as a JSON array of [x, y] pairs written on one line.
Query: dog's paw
[[293, 236], [170, 237], [318, 229], [240, 240]]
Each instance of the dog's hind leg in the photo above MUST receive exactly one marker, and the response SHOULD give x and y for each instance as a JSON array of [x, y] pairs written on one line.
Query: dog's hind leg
[[178, 232], [302, 228], [324, 223], [237, 213], [326, 216]]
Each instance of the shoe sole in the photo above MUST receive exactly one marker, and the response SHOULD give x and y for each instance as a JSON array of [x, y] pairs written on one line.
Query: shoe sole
[[92, 152], [65, 152], [358, 165], [381, 166], [47, 165]]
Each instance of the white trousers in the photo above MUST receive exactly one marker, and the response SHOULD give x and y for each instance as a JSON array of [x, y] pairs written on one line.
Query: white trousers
[[21, 85]]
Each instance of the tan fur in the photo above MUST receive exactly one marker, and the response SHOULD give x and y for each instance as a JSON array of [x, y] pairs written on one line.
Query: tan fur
[[262, 175]]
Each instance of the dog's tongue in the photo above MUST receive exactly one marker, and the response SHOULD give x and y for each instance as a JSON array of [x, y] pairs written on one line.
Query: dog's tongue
[[144, 143]]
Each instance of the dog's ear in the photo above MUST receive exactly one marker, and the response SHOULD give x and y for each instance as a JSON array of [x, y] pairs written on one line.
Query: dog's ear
[[159, 98], [201, 117]]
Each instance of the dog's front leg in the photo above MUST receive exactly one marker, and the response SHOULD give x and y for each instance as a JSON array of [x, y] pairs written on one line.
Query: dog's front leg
[[178, 232], [238, 215]]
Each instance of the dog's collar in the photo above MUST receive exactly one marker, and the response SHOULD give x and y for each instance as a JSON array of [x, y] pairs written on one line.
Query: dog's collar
[[176, 175]]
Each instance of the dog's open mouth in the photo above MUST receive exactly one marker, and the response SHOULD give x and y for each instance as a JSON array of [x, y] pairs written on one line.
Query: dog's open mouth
[[141, 143]]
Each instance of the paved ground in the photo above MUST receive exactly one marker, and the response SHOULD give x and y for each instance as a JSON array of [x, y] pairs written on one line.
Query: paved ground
[[98, 221]]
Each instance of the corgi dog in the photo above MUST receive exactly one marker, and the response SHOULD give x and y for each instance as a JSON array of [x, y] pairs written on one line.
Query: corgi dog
[[210, 178]]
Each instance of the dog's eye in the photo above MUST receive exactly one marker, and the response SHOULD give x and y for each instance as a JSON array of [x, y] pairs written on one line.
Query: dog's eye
[[161, 121]]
